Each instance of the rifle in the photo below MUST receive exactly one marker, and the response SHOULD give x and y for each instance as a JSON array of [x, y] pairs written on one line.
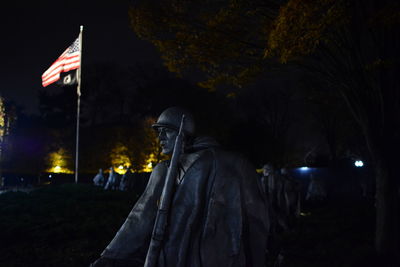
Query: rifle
[[165, 203]]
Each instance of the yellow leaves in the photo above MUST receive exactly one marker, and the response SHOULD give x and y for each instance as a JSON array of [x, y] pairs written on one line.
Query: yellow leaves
[[149, 163], [210, 37], [225, 16], [146, 153], [231, 95], [2, 119], [141, 22], [301, 26], [212, 82], [60, 161], [378, 64], [120, 156]]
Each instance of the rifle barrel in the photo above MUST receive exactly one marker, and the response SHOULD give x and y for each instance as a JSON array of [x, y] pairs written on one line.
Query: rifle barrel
[[165, 202]]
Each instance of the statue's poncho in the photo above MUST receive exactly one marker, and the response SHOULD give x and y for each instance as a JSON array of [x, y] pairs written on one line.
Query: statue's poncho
[[218, 216]]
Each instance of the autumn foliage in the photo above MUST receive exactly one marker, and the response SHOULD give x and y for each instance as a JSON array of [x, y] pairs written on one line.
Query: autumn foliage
[[221, 42]]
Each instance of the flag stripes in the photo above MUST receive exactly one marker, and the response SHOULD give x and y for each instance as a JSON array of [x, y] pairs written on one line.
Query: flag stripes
[[69, 60]]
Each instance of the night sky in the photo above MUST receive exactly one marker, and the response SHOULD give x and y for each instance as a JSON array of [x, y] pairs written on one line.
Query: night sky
[[34, 34]]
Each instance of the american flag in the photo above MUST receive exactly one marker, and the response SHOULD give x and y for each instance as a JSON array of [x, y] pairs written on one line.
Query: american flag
[[69, 60]]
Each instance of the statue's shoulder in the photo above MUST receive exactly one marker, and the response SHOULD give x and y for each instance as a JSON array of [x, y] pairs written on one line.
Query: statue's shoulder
[[230, 156], [161, 167]]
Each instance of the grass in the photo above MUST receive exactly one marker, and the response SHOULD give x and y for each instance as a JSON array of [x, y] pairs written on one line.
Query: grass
[[334, 234], [70, 225], [65, 225]]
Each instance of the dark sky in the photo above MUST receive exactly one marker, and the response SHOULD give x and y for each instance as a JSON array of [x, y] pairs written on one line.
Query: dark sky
[[35, 33]]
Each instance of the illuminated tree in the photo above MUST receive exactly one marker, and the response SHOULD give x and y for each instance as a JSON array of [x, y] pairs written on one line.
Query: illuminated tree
[[223, 40], [135, 146], [146, 151], [2, 130], [7, 118], [119, 157], [60, 161], [3, 122], [353, 47]]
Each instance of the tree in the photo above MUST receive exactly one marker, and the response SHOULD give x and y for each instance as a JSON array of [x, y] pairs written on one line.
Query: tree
[[7, 118], [221, 43], [331, 118], [3, 126], [109, 92], [352, 47]]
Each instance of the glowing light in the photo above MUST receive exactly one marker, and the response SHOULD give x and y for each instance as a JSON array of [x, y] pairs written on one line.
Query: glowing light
[[148, 166], [49, 175], [304, 168], [358, 163], [120, 157], [59, 161]]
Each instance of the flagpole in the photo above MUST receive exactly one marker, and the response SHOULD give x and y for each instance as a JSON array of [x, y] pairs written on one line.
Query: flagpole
[[78, 91]]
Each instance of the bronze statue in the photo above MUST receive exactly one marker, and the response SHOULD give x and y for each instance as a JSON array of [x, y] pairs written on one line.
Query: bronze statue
[[98, 180], [218, 213]]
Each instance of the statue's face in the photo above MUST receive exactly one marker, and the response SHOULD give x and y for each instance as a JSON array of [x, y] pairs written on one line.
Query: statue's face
[[167, 137]]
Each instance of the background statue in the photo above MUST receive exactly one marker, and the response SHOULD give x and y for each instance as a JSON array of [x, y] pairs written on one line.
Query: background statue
[[112, 177], [292, 197], [98, 180], [218, 215], [274, 189], [126, 180]]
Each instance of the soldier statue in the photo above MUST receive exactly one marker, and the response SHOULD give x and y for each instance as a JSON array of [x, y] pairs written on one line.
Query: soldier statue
[[98, 180], [125, 180], [112, 177], [292, 196], [218, 214]]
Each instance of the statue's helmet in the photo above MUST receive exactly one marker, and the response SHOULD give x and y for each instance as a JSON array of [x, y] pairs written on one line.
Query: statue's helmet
[[268, 166], [171, 118]]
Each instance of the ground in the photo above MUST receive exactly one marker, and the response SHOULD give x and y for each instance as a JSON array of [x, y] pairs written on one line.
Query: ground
[[70, 225]]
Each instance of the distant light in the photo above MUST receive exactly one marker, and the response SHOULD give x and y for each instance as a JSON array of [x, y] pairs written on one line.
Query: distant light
[[57, 169], [121, 167], [304, 168], [49, 175], [150, 165], [358, 163]]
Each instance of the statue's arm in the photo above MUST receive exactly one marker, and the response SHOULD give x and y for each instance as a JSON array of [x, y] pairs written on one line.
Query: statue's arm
[[130, 244]]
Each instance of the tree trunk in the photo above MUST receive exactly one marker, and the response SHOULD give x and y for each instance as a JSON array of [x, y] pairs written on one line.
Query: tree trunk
[[387, 213]]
